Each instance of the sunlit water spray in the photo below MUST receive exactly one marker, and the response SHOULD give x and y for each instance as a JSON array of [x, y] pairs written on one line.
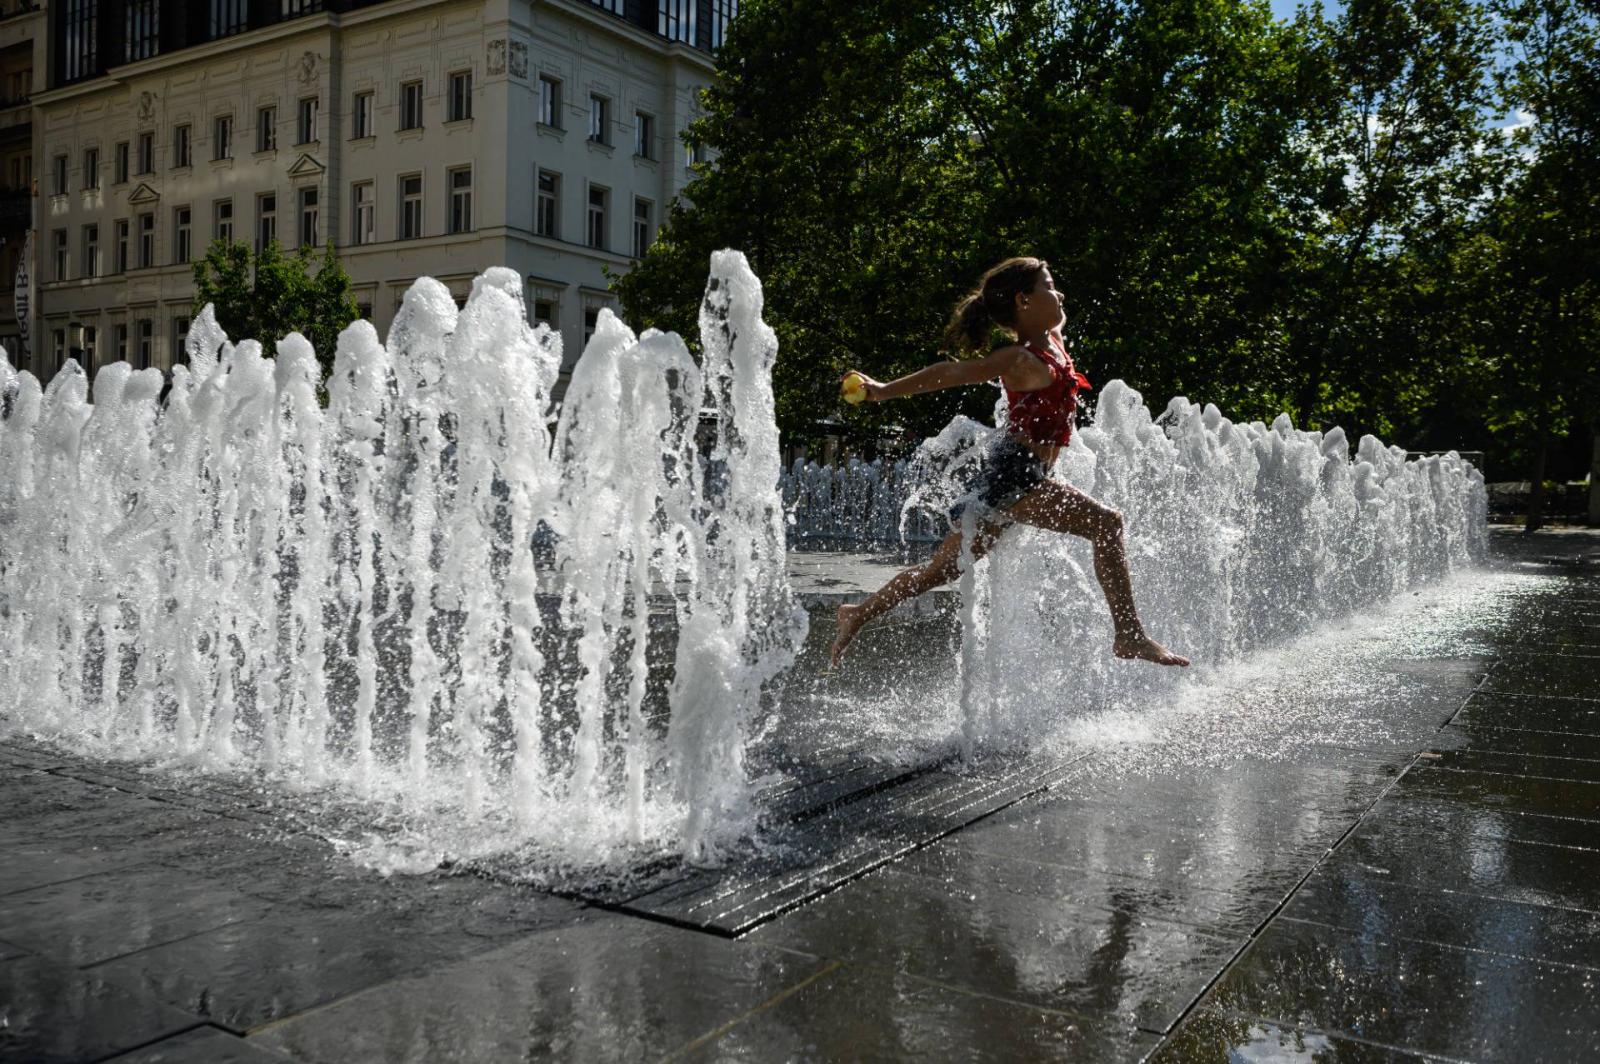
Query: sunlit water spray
[[1241, 538], [344, 598]]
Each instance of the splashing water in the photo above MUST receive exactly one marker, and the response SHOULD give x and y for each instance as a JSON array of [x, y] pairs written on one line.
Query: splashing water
[[1240, 536], [345, 599]]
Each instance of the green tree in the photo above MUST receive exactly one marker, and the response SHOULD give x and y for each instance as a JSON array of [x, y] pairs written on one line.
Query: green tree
[[1308, 215], [268, 295], [875, 159], [1393, 175], [1541, 293], [845, 175]]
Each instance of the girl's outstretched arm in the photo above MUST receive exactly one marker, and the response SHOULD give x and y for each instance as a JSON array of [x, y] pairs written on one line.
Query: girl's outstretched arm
[[944, 375]]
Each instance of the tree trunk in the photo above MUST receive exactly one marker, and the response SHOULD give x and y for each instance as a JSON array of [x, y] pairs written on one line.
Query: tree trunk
[[1594, 482], [1541, 451]]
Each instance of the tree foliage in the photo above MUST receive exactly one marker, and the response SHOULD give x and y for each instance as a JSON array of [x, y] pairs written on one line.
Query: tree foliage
[[1310, 215], [267, 295]]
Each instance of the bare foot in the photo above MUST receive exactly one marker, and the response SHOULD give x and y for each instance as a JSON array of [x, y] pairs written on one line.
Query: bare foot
[[1140, 646], [849, 624]]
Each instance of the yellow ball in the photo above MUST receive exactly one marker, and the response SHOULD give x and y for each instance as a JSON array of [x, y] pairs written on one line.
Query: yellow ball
[[853, 389]]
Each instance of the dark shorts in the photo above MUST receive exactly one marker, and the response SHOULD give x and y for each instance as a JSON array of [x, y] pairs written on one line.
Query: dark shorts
[[1005, 473]]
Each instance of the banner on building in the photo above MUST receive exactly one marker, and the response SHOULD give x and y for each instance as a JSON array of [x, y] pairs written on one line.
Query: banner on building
[[24, 293]]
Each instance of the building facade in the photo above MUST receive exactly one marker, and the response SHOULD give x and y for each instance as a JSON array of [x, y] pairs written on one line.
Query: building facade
[[422, 137]]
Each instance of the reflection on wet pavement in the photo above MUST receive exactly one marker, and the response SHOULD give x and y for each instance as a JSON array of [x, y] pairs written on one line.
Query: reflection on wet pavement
[[1460, 919], [1391, 853]]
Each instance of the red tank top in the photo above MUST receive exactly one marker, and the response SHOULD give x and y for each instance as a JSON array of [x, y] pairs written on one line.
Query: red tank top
[[1046, 416]]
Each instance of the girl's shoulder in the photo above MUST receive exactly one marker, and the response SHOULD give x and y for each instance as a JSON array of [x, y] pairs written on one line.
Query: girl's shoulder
[[1005, 354]]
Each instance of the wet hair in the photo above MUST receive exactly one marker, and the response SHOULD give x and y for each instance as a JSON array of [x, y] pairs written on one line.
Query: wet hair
[[992, 303]]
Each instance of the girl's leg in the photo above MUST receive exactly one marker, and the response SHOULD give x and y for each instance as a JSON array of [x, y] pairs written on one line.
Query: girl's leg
[[943, 567], [1059, 507]]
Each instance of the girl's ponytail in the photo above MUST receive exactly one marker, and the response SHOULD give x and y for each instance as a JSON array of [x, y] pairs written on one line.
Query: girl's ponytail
[[969, 325], [991, 304]]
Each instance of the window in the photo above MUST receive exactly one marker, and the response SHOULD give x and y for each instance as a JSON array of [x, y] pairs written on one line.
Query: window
[[119, 339], [91, 348], [182, 237], [58, 344], [644, 135], [147, 152], [58, 175], [362, 116], [222, 220], [613, 6], [411, 105], [266, 129], [91, 168], [597, 216], [122, 245], [147, 239], [119, 175], [461, 200], [410, 206], [180, 147], [599, 119], [141, 29], [180, 337], [58, 248], [591, 318], [361, 209], [91, 251], [82, 33], [306, 127], [549, 102], [696, 154], [546, 305], [722, 13], [222, 137], [266, 220], [461, 96], [675, 19], [546, 210], [229, 17], [641, 227], [147, 338], [308, 218]]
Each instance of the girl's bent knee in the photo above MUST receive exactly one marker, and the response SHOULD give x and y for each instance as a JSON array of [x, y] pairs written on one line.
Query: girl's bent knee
[[1108, 524]]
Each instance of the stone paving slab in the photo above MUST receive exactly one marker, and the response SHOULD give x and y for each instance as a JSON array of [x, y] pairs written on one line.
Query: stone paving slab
[[1359, 900], [853, 1013], [55, 1012], [296, 957], [1216, 1033], [1030, 949], [202, 1045], [1522, 711], [604, 987], [1463, 1004], [98, 917]]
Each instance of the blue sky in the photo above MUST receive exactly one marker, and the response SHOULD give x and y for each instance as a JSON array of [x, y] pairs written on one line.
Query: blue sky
[[1285, 8]]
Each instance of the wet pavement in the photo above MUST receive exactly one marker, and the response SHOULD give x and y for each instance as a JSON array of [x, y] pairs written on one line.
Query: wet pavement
[[1426, 889]]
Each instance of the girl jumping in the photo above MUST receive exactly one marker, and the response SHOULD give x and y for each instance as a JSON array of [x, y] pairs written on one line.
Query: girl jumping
[[1014, 483]]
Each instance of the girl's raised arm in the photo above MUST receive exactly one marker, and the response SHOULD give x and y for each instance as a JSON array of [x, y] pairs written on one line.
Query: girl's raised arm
[[944, 375]]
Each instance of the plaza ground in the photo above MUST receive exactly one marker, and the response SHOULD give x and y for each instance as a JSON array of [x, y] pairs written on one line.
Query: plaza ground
[[1433, 893]]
